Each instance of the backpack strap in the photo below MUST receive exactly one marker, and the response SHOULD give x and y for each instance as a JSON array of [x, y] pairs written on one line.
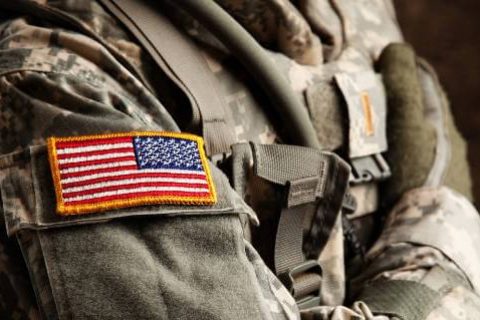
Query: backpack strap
[[284, 101], [175, 54], [314, 187]]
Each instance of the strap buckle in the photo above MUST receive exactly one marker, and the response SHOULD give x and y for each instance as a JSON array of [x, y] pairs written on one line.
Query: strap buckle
[[304, 283], [369, 168]]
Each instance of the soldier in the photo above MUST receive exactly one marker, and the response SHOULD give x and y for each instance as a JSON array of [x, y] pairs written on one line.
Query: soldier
[[316, 203]]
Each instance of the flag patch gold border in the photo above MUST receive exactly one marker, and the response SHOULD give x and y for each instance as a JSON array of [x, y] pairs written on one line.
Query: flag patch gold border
[[65, 209]]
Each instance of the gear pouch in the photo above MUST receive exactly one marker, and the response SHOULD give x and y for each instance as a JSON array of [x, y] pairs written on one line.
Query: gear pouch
[[147, 262]]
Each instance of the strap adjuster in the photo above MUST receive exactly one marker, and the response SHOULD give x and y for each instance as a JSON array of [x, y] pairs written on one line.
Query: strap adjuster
[[305, 190], [308, 302], [304, 283], [369, 168]]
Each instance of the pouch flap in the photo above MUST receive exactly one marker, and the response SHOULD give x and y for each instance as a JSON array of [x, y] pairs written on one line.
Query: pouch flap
[[28, 196]]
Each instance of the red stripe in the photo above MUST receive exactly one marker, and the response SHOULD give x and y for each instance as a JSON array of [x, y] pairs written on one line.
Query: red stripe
[[93, 153], [89, 172], [94, 162], [139, 194], [133, 176], [134, 186], [91, 142]]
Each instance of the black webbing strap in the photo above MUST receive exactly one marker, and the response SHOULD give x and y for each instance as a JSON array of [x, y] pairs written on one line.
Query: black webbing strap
[[182, 62], [315, 184]]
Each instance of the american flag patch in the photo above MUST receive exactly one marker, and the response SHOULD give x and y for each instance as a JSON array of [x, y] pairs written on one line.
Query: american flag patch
[[111, 171]]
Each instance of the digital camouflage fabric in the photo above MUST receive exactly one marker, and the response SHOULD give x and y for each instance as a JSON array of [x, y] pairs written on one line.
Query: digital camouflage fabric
[[69, 68]]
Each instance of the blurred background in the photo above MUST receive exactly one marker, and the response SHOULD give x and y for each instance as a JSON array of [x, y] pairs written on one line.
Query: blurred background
[[447, 34]]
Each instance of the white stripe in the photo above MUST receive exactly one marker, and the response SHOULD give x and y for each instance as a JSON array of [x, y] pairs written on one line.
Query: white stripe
[[95, 148], [99, 166], [132, 181], [125, 172], [136, 190], [96, 157]]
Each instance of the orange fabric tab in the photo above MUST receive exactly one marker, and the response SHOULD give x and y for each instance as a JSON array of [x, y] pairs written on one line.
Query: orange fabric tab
[[367, 110]]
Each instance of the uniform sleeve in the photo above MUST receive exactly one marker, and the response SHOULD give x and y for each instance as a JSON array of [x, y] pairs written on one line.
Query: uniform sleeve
[[148, 262], [426, 262], [425, 265]]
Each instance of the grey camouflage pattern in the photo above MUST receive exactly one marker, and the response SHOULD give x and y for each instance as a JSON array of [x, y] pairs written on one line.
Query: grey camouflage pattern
[[252, 123], [55, 81], [333, 268], [17, 299], [70, 72], [431, 237], [371, 30], [277, 24], [399, 258], [278, 300], [439, 218]]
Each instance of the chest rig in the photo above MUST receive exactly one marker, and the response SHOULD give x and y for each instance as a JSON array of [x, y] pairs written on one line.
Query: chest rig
[[302, 191]]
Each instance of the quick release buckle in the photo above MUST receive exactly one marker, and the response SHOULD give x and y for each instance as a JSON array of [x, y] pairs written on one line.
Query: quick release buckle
[[369, 168], [304, 283]]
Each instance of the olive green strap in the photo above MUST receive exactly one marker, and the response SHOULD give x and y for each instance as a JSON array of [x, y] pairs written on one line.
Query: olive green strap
[[408, 133], [309, 175], [175, 54], [403, 299], [315, 184], [289, 239]]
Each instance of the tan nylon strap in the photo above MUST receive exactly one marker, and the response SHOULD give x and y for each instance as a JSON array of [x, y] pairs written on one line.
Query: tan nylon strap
[[289, 239], [289, 165], [288, 253], [306, 284], [175, 54]]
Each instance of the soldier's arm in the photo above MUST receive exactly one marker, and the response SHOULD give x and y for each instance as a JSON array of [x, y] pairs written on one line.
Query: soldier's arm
[[149, 262], [426, 263], [431, 233]]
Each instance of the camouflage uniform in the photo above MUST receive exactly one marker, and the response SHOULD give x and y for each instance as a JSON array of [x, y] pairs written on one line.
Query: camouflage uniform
[[84, 73]]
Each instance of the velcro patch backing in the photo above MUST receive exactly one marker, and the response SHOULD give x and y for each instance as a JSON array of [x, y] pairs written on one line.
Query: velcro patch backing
[[102, 172]]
